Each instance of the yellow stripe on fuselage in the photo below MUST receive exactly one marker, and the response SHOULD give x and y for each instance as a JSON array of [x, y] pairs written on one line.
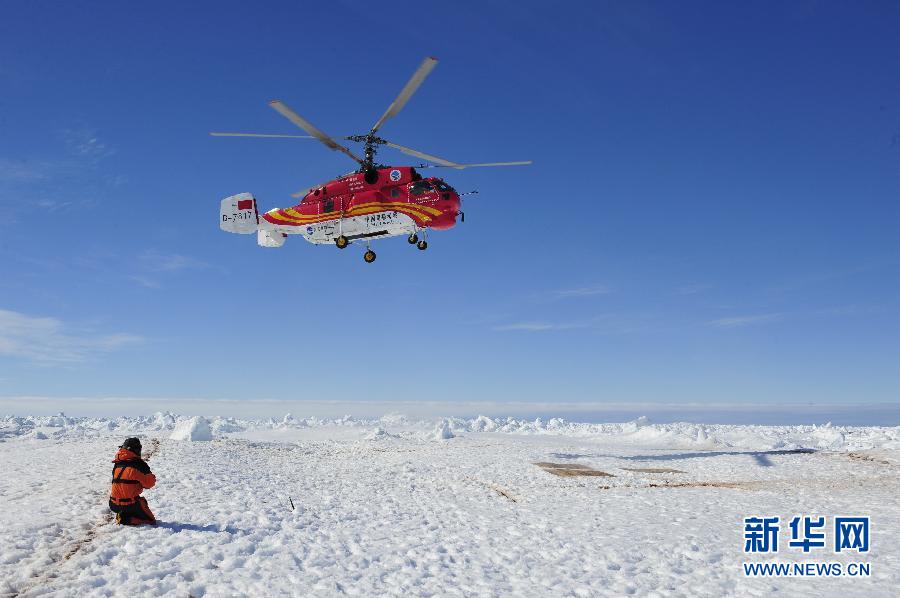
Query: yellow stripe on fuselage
[[390, 206], [375, 209], [292, 216]]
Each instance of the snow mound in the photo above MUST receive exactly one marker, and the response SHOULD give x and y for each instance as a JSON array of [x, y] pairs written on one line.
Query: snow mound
[[394, 419], [226, 425], [193, 429], [639, 432], [482, 423], [442, 431], [635, 425], [59, 421], [162, 421], [380, 433]]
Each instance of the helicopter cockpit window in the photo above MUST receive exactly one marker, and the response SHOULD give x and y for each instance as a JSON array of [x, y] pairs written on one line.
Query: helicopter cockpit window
[[419, 188], [442, 186]]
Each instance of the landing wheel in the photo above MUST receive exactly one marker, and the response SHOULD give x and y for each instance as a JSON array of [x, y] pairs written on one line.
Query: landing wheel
[[369, 256], [422, 245], [342, 242], [413, 238]]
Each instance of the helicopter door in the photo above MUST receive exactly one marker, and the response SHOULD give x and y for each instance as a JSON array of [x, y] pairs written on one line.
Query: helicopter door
[[327, 205]]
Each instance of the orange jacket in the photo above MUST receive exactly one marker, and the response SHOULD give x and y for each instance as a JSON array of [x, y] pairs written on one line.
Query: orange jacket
[[131, 475]]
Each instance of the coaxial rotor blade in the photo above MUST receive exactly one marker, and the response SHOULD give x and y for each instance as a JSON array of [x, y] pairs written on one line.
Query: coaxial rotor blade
[[461, 166], [310, 128], [308, 189], [214, 134], [423, 155], [302, 193], [408, 90]]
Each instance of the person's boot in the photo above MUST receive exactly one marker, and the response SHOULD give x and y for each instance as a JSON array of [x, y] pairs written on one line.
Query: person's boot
[[141, 521]]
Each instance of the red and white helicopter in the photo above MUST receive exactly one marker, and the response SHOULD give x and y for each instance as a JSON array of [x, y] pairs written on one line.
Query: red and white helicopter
[[373, 202]]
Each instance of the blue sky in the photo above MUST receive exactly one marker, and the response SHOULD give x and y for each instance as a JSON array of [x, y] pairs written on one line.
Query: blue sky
[[712, 213]]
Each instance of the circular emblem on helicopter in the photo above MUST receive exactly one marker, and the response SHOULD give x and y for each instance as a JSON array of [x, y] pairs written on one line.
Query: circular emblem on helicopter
[[309, 230], [395, 175]]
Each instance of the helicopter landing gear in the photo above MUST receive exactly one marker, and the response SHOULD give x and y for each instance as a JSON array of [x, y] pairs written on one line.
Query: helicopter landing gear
[[342, 242], [422, 245], [369, 256], [412, 239]]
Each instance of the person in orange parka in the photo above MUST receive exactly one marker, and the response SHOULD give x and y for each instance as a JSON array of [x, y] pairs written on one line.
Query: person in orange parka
[[131, 476]]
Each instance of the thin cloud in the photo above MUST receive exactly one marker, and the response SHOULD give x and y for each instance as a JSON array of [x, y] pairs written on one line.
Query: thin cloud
[[839, 311], [580, 292], [743, 321], [48, 341], [145, 282], [155, 261], [610, 323], [848, 310], [70, 175], [83, 150], [573, 293], [82, 141], [22, 171], [540, 326], [52, 204], [692, 289]]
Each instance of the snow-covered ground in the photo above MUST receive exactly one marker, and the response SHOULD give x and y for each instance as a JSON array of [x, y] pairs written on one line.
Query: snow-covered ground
[[436, 507]]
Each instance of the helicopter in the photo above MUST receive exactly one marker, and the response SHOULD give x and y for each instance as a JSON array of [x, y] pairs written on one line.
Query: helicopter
[[376, 201]]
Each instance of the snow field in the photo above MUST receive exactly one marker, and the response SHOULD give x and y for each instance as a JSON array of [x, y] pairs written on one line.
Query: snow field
[[392, 507]]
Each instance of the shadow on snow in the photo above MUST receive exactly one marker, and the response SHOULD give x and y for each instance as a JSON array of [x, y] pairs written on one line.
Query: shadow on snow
[[193, 527], [761, 457]]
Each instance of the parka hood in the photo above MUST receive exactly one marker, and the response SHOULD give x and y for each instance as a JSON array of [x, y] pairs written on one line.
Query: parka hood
[[125, 455]]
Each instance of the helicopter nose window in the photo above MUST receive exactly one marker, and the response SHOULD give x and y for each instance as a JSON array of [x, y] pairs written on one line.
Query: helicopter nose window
[[442, 186], [419, 188]]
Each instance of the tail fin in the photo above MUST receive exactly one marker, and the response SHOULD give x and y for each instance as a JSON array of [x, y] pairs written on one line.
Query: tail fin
[[238, 214]]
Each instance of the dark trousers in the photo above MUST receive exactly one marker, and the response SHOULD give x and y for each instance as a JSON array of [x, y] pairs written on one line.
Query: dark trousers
[[137, 513]]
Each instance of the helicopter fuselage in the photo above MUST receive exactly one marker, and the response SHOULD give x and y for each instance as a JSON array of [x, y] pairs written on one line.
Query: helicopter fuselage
[[397, 202]]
